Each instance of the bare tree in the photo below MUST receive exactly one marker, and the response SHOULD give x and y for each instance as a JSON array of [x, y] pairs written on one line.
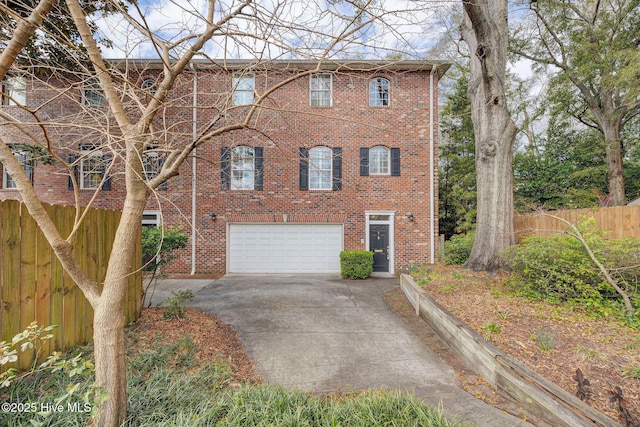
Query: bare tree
[[486, 32], [133, 121]]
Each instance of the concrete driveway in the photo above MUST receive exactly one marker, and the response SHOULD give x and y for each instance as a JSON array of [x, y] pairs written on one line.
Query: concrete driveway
[[323, 334]]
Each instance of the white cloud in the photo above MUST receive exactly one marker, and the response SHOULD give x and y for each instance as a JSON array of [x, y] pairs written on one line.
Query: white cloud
[[276, 28]]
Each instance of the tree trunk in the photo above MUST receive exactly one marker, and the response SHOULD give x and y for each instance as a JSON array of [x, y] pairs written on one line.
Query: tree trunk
[[486, 32], [615, 172], [109, 318], [110, 363]]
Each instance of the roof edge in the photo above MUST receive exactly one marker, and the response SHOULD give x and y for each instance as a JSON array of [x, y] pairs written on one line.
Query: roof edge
[[298, 64]]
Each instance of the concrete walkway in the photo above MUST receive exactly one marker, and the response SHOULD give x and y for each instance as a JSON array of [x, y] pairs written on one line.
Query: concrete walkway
[[323, 334]]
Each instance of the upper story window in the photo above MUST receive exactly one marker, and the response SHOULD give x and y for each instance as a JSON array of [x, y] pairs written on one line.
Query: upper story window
[[242, 168], [93, 166], [149, 86], [320, 168], [321, 87], [14, 90], [244, 86], [26, 160], [379, 160], [92, 93], [151, 163], [379, 92]]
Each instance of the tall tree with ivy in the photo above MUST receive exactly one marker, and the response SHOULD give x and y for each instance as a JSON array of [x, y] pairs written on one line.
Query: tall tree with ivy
[[594, 47], [485, 30], [456, 169]]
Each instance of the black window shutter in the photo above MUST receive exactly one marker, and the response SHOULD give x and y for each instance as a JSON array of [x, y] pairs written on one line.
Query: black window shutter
[[225, 168], [164, 185], [304, 169], [106, 161], [258, 175], [395, 162], [337, 169], [73, 158], [364, 161], [0, 174]]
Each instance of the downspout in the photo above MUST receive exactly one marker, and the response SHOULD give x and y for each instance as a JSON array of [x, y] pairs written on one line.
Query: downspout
[[432, 166], [193, 169]]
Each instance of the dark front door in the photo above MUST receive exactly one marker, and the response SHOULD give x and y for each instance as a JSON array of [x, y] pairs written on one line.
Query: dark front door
[[379, 245]]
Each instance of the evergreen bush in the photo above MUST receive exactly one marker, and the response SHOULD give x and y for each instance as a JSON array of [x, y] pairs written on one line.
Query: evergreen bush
[[355, 264], [458, 248], [557, 268]]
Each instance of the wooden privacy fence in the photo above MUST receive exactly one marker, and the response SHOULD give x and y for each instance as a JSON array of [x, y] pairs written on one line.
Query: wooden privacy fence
[[619, 222], [33, 285]]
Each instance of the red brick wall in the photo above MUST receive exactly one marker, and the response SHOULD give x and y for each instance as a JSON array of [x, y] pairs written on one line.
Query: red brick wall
[[286, 124]]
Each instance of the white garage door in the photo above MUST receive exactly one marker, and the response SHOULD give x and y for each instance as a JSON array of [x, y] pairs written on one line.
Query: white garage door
[[284, 248]]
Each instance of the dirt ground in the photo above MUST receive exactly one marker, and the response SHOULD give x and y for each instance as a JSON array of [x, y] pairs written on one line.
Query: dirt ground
[[214, 339], [603, 349]]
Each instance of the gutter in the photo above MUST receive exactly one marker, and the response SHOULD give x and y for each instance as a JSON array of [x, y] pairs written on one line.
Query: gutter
[[432, 180], [193, 169]]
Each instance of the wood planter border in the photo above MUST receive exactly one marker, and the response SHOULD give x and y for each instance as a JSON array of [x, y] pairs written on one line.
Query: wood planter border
[[539, 395]]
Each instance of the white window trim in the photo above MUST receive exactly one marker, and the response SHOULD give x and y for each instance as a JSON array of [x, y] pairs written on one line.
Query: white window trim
[[86, 154], [330, 90], [146, 157], [390, 222], [237, 80], [388, 151], [5, 174], [14, 86], [323, 148], [148, 85], [388, 92], [253, 169], [92, 85]]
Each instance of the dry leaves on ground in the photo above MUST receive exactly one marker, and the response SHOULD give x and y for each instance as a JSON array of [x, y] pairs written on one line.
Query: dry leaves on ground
[[553, 340], [214, 339]]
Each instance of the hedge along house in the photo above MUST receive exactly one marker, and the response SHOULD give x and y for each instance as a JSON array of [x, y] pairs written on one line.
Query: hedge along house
[[339, 156]]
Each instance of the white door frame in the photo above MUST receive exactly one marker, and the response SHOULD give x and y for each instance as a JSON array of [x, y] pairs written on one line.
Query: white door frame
[[389, 222]]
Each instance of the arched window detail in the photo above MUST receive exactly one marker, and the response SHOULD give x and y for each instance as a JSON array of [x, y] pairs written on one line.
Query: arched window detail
[[320, 166], [379, 160]]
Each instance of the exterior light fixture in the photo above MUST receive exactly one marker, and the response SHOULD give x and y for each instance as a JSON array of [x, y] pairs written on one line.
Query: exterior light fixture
[[410, 217], [213, 216]]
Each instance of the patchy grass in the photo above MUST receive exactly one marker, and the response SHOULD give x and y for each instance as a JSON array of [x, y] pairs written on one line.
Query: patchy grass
[[192, 372]]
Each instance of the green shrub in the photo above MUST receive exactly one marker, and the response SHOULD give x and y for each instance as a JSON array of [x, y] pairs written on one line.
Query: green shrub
[[158, 249], [175, 307], [458, 248], [160, 243], [356, 264], [558, 268]]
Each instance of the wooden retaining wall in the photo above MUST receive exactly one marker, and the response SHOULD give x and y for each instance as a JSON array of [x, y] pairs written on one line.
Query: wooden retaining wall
[[539, 395]]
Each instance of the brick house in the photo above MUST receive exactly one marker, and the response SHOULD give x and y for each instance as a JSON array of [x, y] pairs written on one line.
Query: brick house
[[344, 157]]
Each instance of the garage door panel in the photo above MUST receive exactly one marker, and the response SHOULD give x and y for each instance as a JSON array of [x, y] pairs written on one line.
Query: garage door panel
[[285, 248]]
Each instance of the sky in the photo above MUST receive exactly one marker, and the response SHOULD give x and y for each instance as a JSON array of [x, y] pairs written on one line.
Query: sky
[[307, 27]]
